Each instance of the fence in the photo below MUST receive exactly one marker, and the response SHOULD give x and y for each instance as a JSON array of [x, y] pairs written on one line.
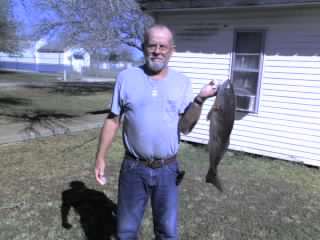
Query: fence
[[54, 63], [50, 63]]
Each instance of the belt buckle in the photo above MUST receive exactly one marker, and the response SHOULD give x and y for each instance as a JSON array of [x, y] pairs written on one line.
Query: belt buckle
[[154, 163], [149, 162]]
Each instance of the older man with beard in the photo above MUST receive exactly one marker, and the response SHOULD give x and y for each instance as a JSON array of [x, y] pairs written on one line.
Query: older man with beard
[[150, 100]]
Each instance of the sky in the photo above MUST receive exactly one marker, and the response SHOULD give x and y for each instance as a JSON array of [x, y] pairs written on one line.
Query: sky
[[25, 14], [28, 15]]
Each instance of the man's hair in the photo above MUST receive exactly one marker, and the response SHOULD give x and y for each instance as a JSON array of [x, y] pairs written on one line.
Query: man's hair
[[157, 26]]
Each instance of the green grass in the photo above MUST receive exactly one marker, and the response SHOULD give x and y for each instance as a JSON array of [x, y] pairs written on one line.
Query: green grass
[[28, 77], [49, 106], [47, 99], [263, 198], [54, 99]]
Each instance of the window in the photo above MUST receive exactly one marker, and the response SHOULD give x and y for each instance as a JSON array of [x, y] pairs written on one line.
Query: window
[[246, 68], [78, 55]]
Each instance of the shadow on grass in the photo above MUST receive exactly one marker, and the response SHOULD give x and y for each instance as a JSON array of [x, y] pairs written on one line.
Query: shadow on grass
[[97, 112], [97, 212], [41, 119], [74, 88], [9, 101]]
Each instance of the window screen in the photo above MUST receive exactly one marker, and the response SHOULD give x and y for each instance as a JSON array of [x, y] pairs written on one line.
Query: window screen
[[246, 68]]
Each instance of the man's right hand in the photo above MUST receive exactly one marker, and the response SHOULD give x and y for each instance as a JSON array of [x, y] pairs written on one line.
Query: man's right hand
[[99, 171], [108, 132]]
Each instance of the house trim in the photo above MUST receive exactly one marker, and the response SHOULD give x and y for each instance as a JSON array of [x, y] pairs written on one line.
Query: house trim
[[234, 8]]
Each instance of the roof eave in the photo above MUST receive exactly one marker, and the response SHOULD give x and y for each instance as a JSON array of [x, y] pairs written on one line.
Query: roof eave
[[227, 8], [50, 51]]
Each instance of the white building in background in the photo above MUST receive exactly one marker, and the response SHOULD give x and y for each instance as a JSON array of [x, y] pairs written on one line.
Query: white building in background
[[44, 56]]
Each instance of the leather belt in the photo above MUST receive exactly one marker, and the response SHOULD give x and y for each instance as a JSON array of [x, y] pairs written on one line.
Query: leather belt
[[152, 163]]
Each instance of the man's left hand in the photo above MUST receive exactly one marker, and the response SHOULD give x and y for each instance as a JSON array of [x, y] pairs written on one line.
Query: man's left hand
[[208, 90]]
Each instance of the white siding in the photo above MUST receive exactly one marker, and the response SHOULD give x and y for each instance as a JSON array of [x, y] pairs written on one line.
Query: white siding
[[287, 125], [11, 58], [33, 58], [49, 58]]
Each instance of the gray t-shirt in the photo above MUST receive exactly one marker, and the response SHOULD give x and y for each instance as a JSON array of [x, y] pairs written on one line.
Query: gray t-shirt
[[150, 110]]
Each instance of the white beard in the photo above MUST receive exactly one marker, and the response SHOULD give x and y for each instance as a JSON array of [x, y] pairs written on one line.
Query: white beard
[[156, 66]]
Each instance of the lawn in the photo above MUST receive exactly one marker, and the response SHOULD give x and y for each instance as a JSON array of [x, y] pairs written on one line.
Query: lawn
[[50, 98], [28, 77], [263, 198], [55, 99], [42, 179]]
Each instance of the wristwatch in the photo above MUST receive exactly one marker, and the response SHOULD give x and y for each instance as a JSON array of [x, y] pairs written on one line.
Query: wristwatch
[[199, 100]]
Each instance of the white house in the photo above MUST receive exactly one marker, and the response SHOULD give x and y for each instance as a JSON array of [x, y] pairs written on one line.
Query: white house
[[45, 56], [271, 51]]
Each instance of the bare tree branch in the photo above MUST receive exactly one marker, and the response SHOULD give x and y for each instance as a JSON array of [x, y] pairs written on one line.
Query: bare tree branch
[[9, 40], [92, 25]]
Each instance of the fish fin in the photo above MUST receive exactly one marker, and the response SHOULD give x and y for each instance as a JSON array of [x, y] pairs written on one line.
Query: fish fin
[[212, 178], [209, 114]]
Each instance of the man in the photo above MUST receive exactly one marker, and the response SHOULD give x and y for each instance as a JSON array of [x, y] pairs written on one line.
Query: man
[[150, 101]]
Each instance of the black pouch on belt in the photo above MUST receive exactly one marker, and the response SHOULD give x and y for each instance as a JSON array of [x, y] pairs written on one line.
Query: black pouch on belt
[[180, 176]]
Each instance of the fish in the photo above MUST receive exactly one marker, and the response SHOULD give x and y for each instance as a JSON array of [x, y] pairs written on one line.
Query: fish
[[221, 117]]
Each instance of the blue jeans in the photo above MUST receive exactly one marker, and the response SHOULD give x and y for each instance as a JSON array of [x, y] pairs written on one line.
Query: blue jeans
[[138, 183]]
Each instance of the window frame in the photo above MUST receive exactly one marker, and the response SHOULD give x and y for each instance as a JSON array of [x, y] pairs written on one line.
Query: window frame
[[260, 65]]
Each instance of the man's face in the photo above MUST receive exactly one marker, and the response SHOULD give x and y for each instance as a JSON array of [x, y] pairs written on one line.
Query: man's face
[[158, 49]]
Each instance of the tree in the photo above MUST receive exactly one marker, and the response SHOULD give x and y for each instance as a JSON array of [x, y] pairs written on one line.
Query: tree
[[95, 25], [9, 40]]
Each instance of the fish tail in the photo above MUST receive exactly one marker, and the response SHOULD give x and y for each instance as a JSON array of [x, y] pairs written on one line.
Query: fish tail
[[213, 178]]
